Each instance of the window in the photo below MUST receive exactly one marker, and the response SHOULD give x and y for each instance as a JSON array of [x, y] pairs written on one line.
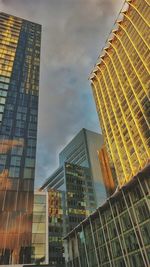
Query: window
[[31, 152], [2, 100], [15, 160], [136, 260], [29, 162], [3, 159], [14, 172], [146, 233], [1, 108], [38, 228], [28, 173], [17, 150], [39, 217], [39, 199], [38, 238], [3, 93], [116, 248], [136, 193], [142, 211], [125, 221], [131, 241]]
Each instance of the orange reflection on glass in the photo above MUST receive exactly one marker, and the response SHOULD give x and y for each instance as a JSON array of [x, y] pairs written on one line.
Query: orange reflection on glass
[[16, 205], [106, 171], [6, 145]]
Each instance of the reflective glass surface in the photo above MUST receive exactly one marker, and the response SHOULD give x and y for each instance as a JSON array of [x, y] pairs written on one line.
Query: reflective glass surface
[[19, 79]]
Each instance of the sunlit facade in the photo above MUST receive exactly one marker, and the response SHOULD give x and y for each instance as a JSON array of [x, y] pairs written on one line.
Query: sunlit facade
[[19, 84], [121, 88]]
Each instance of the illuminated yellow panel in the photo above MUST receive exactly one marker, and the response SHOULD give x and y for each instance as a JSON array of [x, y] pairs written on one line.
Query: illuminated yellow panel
[[9, 36], [121, 89]]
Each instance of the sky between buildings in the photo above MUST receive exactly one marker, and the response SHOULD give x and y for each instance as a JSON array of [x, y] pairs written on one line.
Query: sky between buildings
[[73, 34]]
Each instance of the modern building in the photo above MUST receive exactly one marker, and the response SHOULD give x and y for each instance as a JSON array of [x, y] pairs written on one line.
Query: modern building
[[40, 252], [75, 189], [56, 221], [82, 150], [117, 234], [121, 89], [20, 42]]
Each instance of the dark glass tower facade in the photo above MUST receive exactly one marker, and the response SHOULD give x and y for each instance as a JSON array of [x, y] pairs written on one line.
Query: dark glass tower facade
[[19, 85]]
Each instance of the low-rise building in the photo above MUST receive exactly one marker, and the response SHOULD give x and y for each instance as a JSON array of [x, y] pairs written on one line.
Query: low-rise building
[[40, 229]]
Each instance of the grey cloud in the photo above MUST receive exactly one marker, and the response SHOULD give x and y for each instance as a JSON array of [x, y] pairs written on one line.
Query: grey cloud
[[74, 31]]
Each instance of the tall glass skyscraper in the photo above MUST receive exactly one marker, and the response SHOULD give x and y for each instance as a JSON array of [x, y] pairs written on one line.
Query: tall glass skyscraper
[[20, 42], [121, 88]]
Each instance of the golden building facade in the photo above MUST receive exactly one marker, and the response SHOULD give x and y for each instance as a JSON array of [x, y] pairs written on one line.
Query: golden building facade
[[121, 88]]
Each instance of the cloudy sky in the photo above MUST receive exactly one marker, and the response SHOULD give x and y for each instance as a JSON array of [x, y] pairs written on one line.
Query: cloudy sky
[[73, 34]]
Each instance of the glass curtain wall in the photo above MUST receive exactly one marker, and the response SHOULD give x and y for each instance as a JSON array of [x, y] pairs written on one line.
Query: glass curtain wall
[[19, 85]]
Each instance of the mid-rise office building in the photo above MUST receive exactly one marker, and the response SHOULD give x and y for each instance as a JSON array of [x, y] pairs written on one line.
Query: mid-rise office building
[[20, 42], [82, 150], [120, 83], [77, 186], [78, 199], [80, 177], [117, 234]]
